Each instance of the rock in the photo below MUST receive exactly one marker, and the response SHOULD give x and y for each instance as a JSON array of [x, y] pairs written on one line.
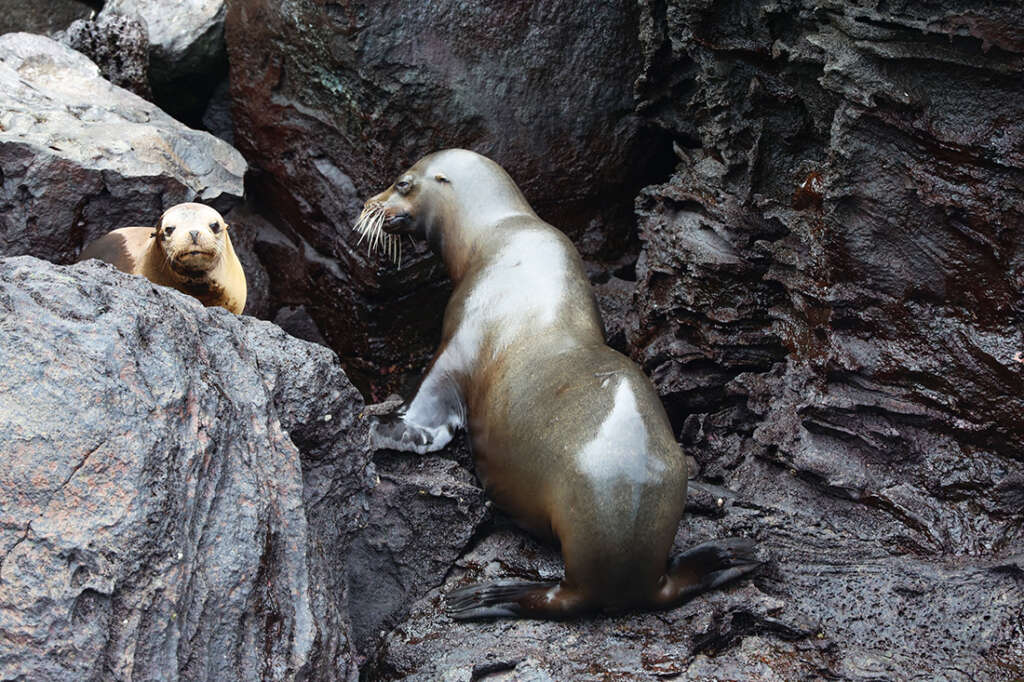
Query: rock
[[348, 97], [217, 117], [615, 301], [42, 17], [80, 157], [244, 225], [118, 45], [187, 53], [424, 512], [296, 321], [182, 486], [829, 298]]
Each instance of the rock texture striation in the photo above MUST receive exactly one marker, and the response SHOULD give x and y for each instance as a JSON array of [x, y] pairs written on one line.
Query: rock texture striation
[[181, 486]]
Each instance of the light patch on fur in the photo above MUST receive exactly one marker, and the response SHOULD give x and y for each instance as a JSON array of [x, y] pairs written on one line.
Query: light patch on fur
[[370, 226]]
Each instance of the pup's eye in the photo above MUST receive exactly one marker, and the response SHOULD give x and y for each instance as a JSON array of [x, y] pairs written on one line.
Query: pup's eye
[[215, 227], [168, 230]]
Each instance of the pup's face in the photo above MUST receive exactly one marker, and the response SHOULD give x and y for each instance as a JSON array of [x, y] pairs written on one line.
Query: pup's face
[[192, 236]]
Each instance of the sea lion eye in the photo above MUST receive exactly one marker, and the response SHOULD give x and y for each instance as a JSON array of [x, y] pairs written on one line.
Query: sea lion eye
[[403, 186], [168, 230], [215, 227]]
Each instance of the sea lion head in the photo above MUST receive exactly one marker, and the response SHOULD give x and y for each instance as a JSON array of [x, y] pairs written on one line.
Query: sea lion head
[[447, 198], [192, 237]]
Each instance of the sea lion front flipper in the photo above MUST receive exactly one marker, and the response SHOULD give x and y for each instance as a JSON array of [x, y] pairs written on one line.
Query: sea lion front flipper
[[429, 421], [512, 600], [707, 566], [392, 432]]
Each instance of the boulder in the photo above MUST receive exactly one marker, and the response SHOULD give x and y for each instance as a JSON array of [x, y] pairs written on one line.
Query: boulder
[[118, 45], [185, 38], [80, 157], [182, 484]]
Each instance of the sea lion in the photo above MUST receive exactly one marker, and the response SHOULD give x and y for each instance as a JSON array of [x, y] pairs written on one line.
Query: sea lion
[[189, 250], [568, 436]]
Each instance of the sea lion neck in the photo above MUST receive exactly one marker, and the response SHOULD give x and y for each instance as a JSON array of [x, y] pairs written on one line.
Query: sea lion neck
[[479, 197]]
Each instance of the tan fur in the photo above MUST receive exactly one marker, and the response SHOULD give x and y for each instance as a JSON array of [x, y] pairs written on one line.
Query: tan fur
[[215, 277]]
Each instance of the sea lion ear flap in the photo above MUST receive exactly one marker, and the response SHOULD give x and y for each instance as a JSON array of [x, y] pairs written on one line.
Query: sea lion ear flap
[[159, 224], [441, 177]]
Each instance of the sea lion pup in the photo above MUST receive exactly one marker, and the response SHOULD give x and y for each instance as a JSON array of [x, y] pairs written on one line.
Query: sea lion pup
[[190, 250], [568, 435]]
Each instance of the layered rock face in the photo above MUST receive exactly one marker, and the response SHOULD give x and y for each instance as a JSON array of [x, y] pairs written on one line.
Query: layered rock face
[[181, 486]]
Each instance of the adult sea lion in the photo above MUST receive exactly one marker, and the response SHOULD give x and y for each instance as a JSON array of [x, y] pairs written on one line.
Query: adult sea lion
[[189, 250], [568, 435]]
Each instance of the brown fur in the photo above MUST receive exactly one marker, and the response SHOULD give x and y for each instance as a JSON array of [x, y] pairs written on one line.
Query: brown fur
[[216, 280]]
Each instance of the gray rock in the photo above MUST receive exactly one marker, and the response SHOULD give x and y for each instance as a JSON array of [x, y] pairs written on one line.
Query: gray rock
[[424, 512], [118, 45], [80, 157], [182, 486]]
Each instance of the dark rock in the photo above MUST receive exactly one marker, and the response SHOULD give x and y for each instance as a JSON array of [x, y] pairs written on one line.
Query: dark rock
[[829, 298], [42, 17], [296, 321], [424, 511], [80, 157], [347, 96], [615, 300], [118, 45], [217, 117], [244, 226], [182, 484]]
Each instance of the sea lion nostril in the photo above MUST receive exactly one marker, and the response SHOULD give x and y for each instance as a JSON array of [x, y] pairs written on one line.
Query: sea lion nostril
[[195, 236]]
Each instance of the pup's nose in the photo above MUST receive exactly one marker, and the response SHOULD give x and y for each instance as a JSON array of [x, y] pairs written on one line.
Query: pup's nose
[[195, 236]]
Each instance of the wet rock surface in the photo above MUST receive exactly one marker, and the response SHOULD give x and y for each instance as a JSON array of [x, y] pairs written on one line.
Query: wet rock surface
[[182, 485]]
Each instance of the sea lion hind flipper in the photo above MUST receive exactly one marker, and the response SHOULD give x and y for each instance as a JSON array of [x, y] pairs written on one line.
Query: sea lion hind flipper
[[708, 566], [511, 600]]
